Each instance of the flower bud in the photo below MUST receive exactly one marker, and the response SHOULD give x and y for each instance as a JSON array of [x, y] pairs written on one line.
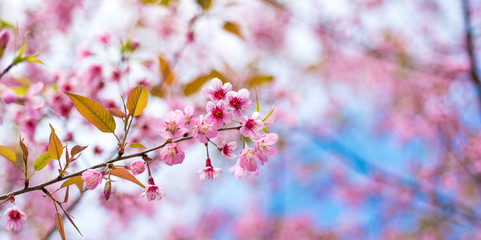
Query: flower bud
[[137, 167], [4, 38], [107, 190]]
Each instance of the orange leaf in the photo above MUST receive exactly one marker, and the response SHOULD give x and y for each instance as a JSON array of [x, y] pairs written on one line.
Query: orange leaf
[[166, 71], [93, 112], [59, 223], [55, 147], [232, 28], [122, 173], [137, 100]]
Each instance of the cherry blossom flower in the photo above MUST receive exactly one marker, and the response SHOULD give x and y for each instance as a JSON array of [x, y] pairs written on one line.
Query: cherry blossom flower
[[137, 167], [226, 149], [14, 219], [171, 155], [217, 114], [188, 113], [240, 172], [218, 91], [264, 148], [208, 172], [4, 38], [152, 192], [202, 130], [238, 101], [92, 178], [247, 159], [251, 126], [172, 127]]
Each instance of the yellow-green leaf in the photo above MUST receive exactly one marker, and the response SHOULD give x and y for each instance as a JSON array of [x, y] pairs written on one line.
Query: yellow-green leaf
[[59, 223], [137, 100], [268, 115], [42, 161], [260, 79], [55, 147], [232, 28], [122, 173], [71, 181], [32, 59], [8, 154], [167, 74], [93, 112], [136, 145]]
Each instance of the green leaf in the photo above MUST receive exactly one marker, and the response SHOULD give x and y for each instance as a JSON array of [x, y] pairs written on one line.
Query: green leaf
[[55, 147], [8, 154], [42, 161], [164, 69], [31, 59], [268, 115], [59, 223], [204, 4], [265, 129], [232, 28], [137, 100], [122, 173], [260, 79], [93, 112], [136, 145]]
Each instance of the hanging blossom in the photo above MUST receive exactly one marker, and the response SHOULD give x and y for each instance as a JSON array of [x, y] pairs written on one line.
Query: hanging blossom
[[218, 91], [264, 147], [247, 159], [172, 127], [171, 155], [240, 172], [217, 114], [14, 219], [226, 149], [202, 130], [208, 172], [92, 178], [251, 126], [238, 102], [188, 113], [152, 192]]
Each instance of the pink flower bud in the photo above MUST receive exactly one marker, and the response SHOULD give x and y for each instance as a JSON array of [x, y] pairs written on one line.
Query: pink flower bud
[[137, 167], [92, 178], [4, 38], [8, 96], [107, 190]]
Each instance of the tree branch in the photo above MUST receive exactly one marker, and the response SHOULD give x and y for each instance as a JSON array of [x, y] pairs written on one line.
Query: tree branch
[[58, 179], [470, 47]]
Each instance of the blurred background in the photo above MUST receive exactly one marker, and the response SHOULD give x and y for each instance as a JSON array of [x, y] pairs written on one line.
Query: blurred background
[[377, 108]]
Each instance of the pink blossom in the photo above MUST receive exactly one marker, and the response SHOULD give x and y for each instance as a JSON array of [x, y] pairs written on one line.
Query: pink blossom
[[208, 172], [264, 148], [171, 155], [202, 130], [218, 91], [251, 126], [238, 101], [217, 115], [4, 38], [226, 149], [92, 178], [8, 96], [152, 192], [137, 167], [239, 171], [188, 113], [247, 159], [14, 219], [172, 127], [104, 38], [34, 103]]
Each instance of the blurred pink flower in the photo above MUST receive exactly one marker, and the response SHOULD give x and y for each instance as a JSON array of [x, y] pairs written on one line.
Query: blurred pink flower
[[264, 147], [14, 219], [247, 159]]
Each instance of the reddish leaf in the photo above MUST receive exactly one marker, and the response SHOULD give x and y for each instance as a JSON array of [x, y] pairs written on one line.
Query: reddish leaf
[[59, 223], [122, 173]]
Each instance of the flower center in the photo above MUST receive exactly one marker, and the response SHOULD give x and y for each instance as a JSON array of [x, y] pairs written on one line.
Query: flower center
[[14, 215], [219, 94], [236, 103], [250, 124], [217, 113]]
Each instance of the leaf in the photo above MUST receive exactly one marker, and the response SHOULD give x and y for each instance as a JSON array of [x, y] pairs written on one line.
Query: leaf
[[70, 219], [260, 79], [59, 223], [268, 115], [93, 112], [257, 102], [73, 180], [55, 147], [8, 154], [122, 173], [204, 4], [137, 100], [66, 195], [233, 28], [42, 161], [194, 86], [116, 112], [136, 145], [265, 129], [31, 59], [24, 149], [77, 149], [167, 74]]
